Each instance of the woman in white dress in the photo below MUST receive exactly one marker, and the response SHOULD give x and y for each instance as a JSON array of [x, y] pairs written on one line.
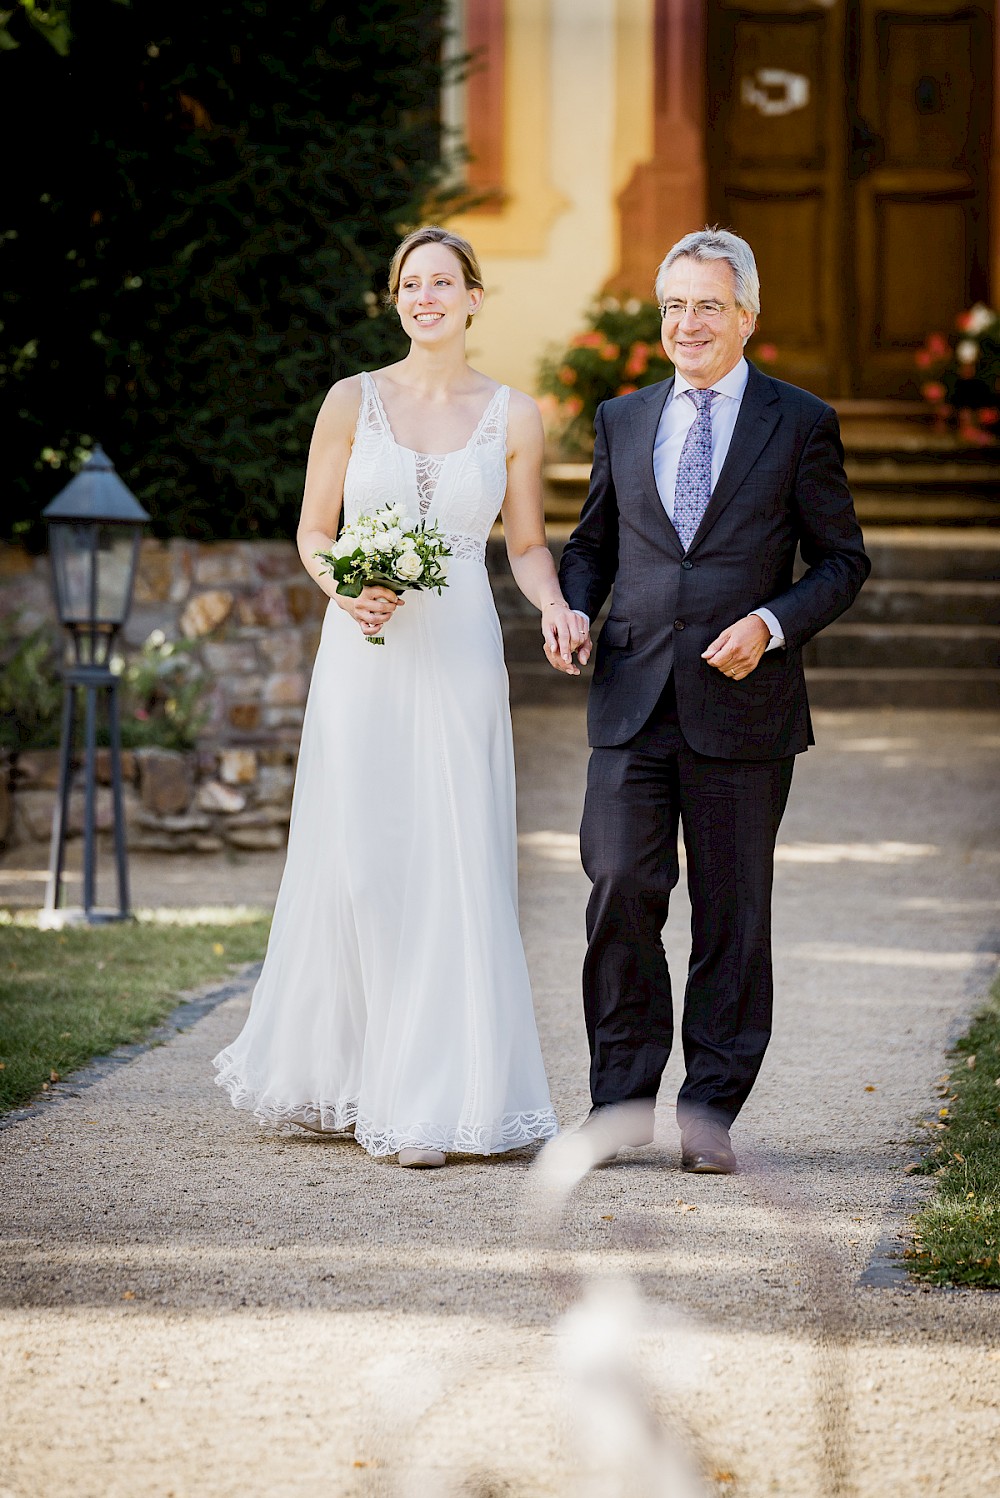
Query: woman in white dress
[[394, 999]]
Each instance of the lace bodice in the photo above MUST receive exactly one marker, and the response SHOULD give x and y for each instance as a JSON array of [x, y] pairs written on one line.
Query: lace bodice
[[462, 491]]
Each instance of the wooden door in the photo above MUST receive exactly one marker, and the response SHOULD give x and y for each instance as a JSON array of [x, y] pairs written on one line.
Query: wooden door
[[847, 143]]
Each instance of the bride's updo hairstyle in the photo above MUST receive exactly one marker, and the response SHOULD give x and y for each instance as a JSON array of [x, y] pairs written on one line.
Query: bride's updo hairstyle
[[431, 234]]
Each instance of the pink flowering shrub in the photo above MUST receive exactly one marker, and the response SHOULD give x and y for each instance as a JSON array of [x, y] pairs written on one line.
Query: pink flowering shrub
[[619, 352], [961, 374]]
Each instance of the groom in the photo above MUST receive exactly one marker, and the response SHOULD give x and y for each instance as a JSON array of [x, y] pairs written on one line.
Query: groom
[[703, 487]]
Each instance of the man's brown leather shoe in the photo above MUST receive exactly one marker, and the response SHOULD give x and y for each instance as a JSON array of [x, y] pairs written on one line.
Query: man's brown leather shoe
[[706, 1150]]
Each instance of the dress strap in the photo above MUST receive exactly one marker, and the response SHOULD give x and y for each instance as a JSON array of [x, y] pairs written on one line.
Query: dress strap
[[493, 422]]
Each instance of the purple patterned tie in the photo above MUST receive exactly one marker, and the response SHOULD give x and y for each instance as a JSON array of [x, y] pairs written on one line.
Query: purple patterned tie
[[694, 470]]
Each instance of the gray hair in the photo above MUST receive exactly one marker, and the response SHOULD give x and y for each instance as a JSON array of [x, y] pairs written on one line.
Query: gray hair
[[718, 244]]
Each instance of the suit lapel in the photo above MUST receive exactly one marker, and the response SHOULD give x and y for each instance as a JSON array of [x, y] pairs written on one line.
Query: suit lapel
[[645, 417], [760, 411]]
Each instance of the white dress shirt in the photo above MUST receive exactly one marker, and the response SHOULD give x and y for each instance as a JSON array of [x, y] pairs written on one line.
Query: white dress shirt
[[677, 418]]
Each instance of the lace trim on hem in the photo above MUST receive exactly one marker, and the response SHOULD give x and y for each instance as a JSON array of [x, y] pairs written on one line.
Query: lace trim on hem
[[506, 1133]]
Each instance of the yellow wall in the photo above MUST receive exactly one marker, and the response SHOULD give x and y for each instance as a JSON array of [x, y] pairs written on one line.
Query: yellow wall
[[578, 80]]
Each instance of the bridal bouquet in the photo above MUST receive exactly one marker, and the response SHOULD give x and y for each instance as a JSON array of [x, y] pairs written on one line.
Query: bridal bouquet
[[386, 550]]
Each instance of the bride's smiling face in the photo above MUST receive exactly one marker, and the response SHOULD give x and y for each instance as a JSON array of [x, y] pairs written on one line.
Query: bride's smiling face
[[433, 300]]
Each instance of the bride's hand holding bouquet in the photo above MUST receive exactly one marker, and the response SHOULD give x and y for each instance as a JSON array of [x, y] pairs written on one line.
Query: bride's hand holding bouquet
[[376, 558]]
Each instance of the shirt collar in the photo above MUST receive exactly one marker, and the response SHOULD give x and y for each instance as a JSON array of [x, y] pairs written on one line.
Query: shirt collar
[[732, 384]]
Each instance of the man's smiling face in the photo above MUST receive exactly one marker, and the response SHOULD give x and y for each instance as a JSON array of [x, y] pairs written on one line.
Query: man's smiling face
[[703, 348]]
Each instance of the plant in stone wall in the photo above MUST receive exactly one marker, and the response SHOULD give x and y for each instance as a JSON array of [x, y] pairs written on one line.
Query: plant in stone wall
[[163, 692], [30, 688], [619, 351]]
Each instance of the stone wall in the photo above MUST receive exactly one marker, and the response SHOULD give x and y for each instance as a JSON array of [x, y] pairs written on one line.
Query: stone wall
[[201, 802], [254, 617], [252, 611]]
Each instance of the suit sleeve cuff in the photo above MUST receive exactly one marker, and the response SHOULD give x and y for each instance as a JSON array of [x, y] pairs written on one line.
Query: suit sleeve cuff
[[777, 640]]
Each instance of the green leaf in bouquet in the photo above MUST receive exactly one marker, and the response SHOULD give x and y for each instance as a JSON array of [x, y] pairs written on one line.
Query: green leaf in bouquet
[[350, 589]]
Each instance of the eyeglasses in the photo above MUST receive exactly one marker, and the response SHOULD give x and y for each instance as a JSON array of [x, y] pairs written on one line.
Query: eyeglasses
[[703, 311]]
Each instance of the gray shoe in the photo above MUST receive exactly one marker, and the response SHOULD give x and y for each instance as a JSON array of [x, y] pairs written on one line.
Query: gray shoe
[[413, 1158]]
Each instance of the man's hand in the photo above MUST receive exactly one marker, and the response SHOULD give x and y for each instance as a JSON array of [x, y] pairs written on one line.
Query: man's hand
[[737, 651], [564, 632]]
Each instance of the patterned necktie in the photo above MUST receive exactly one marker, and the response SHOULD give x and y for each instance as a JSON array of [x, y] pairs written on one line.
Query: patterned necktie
[[694, 470]]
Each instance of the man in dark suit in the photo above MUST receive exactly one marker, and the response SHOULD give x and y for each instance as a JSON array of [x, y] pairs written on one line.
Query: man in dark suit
[[702, 490]]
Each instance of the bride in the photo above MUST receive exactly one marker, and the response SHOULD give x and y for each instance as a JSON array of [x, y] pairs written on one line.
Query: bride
[[394, 1000]]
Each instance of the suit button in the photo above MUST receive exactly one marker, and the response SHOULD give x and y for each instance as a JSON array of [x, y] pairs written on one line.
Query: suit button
[[687, 565], [678, 624]]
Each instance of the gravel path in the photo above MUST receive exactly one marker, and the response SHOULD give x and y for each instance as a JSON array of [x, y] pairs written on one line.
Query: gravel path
[[192, 1308]]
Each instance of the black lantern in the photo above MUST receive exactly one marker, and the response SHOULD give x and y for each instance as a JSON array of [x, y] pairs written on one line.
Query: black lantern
[[95, 531]]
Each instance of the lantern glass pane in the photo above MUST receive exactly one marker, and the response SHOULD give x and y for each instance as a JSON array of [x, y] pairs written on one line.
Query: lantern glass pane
[[114, 573], [93, 569], [73, 558]]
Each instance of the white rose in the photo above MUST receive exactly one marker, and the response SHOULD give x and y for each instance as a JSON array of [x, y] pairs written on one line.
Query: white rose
[[368, 545], [394, 535], [980, 317], [344, 546], [409, 567], [967, 351], [408, 543]]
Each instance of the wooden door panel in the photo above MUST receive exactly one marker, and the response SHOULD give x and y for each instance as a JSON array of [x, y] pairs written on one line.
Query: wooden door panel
[[788, 232], [776, 121], [931, 234], [927, 89]]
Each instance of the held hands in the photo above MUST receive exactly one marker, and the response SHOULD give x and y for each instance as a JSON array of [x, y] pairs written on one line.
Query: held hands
[[737, 651], [372, 609], [564, 633]]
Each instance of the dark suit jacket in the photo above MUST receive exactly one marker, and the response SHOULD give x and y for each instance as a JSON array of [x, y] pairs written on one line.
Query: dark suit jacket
[[782, 487]]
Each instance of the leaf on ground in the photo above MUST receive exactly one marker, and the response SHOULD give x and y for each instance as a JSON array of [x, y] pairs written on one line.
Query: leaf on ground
[[128, 1295]]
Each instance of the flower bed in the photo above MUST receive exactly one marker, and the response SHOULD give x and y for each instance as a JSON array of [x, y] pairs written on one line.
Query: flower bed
[[961, 375], [618, 352]]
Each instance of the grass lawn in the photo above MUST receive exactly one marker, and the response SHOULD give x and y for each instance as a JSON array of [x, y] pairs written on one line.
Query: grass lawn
[[67, 996], [957, 1237]]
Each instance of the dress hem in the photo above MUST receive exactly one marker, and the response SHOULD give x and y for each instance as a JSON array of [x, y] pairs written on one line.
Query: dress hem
[[511, 1131]]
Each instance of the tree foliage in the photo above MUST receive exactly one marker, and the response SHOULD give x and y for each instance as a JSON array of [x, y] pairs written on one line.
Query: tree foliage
[[198, 246]]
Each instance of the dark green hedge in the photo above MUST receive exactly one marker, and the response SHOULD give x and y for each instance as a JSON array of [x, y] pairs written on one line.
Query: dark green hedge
[[192, 252]]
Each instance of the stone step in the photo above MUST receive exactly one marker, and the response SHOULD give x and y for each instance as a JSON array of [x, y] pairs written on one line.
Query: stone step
[[934, 555], [909, 601], [829, 687], [902, 507], [844, 646], [885, 646], [903, 687]]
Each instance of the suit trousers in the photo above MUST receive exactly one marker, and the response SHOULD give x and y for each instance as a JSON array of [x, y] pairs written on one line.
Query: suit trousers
[[729, 812]]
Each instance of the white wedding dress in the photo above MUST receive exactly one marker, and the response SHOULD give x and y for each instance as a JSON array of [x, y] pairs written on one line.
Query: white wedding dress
[[394, 994]]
